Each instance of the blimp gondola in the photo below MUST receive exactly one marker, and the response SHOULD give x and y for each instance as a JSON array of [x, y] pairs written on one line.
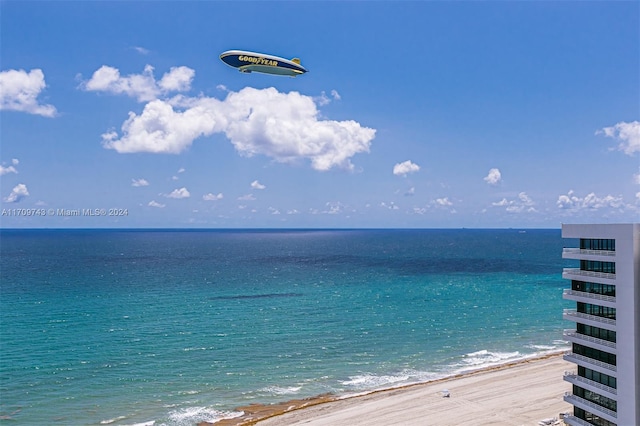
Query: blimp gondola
[[260, 62]]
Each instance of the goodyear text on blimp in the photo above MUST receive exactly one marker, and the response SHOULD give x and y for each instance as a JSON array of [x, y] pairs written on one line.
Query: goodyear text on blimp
[[258, 61]]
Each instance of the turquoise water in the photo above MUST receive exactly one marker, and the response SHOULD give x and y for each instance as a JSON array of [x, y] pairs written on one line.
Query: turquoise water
[[175, 327]]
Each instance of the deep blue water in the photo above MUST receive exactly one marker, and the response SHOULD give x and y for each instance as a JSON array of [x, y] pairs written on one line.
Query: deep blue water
[[178, 326]]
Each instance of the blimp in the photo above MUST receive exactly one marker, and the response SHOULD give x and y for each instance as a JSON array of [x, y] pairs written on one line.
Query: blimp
[[260, 62]]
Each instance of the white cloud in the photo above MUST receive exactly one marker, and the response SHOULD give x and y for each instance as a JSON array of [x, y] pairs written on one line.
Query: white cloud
[[636, 178], [523, 203], [390, 206], [443, 202], [334, 207], [154, 203], [420, 210], [335, 95], [4, 170], [405, 168], [411, 191], [179, 193], [212, 197], [141, 50], [19, 91], [248, 197], [493, 177], [590, 202], [282, 126], [322, 100], [18, 193], [257, 185], [139, 182], [627, 133], [15, 161], [141, 86], [178, 79], [181, 170], [273, 210], [294, 211]]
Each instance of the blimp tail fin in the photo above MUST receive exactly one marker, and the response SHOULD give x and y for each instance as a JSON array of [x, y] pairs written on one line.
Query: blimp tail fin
[[296, 60]]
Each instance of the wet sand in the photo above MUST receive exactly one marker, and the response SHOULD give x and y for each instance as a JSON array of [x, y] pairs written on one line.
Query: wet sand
[[521, 393]]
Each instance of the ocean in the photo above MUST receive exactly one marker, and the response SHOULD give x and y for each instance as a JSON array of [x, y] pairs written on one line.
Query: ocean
[[173, 327]]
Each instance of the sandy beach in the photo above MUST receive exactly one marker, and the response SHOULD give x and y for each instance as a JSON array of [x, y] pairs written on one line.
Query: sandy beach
[[523, 393]]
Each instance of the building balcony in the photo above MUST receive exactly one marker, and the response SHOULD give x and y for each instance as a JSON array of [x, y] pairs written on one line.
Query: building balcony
[[575, 421], [593, 364], [593, 320], [601, 411], [592, 342], [592, 276], [581, 296], [576, 253], [604, 390]]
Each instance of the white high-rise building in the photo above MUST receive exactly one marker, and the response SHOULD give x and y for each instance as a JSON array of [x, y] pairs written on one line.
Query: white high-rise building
[[606, 339]]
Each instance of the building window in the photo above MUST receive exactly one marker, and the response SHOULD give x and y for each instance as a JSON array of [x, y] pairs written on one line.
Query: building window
[[598, 244], [591, 418], [594, 288], [598, 266], [595, 354], [596, 376], [596, 398], [597, 332], [597, 310]]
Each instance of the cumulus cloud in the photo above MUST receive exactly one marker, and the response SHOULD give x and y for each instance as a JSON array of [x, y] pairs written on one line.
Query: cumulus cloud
[[9, 169], [179, 193], [493, 177], [19, 91], [139, 182], [627, 133], [212, 197], [523, 203], [248, 197], [636, 178], [18, 193], [404, 168], [335, 95], [154, 203], [257, 185], [282, 126], [444, 202], [143, 87], [591, 201]]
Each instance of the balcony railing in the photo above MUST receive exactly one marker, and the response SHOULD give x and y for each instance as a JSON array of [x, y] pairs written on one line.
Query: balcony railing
[[590, 252], [573, 314], [566, 272], [575, 358], [575, 421], [583, 337], [572, 377], [574, 400], [595, 296]]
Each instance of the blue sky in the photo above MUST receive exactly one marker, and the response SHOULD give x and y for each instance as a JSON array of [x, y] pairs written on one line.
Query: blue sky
[[413, 114]]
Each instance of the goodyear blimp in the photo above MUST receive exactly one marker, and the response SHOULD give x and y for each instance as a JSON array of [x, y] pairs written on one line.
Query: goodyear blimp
[[261, 62]]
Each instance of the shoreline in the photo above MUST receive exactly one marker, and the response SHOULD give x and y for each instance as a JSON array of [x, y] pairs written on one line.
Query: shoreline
[[262, 414]]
